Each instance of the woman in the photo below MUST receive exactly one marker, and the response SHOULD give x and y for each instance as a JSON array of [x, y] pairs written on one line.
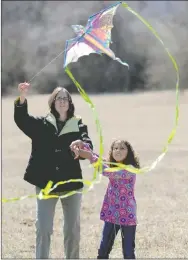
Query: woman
[[51, 159]]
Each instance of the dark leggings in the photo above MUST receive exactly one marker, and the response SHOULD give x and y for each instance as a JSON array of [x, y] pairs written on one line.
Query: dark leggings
[[110, 231]]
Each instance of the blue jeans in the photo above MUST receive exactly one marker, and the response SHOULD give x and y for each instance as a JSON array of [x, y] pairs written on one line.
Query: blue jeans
[[110, 231]]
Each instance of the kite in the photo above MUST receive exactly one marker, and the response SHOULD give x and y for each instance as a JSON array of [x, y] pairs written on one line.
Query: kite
[[96, 38]]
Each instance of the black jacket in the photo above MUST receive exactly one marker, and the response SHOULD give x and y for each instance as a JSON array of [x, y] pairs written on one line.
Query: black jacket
[[51, 157]]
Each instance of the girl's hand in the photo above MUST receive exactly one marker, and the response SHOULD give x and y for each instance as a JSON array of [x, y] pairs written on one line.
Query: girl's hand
[[23, 88]]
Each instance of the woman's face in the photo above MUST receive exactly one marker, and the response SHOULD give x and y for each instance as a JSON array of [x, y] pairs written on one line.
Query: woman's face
[[119, 151], [62, 102]]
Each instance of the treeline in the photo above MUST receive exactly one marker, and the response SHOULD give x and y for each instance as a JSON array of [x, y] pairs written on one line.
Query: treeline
[[34, 34]]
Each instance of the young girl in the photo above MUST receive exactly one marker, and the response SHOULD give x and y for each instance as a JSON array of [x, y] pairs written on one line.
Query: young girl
[[119, 206]]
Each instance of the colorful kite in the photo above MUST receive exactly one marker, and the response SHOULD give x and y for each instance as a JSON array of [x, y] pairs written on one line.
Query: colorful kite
[[94, 38]]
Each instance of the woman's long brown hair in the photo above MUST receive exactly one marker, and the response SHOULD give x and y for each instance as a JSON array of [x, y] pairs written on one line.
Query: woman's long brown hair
[[70, 112]]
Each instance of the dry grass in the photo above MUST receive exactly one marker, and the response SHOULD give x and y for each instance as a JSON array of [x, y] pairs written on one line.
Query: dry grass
[[145, 120]]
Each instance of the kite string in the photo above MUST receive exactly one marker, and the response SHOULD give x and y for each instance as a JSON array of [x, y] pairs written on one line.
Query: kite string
[[46, 65], [66, 49]]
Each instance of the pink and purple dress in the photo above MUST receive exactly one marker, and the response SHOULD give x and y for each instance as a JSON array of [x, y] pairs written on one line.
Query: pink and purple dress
[[119, 205]]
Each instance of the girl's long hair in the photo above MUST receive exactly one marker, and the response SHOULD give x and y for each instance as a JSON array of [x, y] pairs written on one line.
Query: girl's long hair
[[131, 158]]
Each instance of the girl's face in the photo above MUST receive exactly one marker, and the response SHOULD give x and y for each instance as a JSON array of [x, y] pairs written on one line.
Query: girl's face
[[119, 151], [62, 102]]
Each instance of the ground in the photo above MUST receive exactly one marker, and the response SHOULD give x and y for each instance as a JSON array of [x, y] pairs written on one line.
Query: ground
[[146, 121]]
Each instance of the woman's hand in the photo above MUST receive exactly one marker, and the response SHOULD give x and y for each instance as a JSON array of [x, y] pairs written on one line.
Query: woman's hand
[[83, 154], [23, 88], [78, 144], [77, 147]]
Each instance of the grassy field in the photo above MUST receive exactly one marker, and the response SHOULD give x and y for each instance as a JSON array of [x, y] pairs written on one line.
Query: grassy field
[[143, 119]]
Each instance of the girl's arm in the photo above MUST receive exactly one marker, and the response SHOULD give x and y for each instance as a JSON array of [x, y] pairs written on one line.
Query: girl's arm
[[87, 153]]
